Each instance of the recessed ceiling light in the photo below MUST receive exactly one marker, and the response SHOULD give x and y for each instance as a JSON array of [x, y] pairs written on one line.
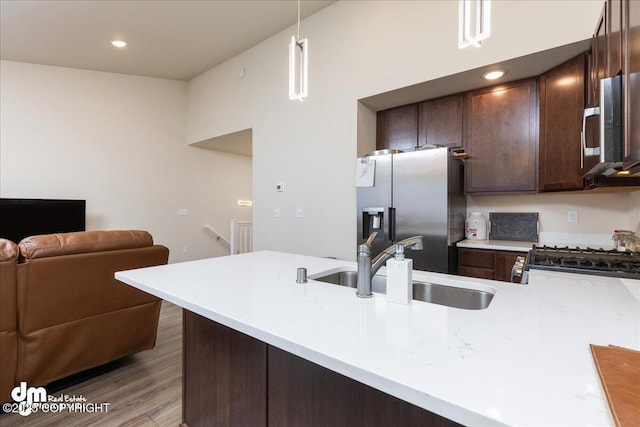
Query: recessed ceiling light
[[492, 75], [119, 43]]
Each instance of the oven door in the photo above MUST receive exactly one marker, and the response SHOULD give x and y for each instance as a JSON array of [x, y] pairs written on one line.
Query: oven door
[[520, 270]]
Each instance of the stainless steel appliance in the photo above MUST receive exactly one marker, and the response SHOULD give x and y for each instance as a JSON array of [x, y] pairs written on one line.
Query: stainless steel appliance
[[609, 113], [599, 262], [609, 148], [414, 193]]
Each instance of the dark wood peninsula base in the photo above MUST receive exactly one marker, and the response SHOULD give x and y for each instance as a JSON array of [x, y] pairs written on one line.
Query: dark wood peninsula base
[[232, 379]]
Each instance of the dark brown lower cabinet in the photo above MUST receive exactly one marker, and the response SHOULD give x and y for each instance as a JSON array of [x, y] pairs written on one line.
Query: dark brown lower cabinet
[[302, 393], [487, 263], [231, 379], [224, 375]]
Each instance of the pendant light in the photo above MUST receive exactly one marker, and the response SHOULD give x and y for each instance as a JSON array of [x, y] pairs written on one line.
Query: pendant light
[[298, 61], [467, 35]]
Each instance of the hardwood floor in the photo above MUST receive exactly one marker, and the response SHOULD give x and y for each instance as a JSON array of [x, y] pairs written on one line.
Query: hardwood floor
[[144, 389]]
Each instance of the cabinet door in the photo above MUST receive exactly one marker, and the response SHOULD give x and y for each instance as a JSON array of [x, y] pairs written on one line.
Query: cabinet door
[[302, 393], [440, 122], [477, 272], [476, 263], [599, 58], [397, 128], [614, 37], [596, 71], [561, 108], [631, 60], [224, 375], [502, 138]]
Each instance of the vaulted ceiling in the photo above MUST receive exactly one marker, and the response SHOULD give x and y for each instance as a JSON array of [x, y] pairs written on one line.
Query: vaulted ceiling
[[174, 39]]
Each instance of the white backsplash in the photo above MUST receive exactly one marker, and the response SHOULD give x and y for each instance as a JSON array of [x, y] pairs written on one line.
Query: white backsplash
[[576, 239], [599, 214]]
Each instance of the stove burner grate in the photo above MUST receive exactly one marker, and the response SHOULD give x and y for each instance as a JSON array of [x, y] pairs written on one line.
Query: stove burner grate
[[585, 260]]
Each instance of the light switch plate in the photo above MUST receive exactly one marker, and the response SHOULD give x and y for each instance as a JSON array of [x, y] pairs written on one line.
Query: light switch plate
[[299, 213], [276, 212], [572, 216]]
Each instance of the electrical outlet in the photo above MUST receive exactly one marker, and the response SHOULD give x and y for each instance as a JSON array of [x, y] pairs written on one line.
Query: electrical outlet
[[183, 212], [299, 213], [572, 216], [276, 212]]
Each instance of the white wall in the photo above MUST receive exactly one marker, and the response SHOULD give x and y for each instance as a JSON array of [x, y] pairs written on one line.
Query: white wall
[[597, 213], [356, 49], [118, 142], [634, 212]]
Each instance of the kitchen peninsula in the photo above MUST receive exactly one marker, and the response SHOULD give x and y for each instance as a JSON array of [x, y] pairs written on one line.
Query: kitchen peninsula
[[524, 360]]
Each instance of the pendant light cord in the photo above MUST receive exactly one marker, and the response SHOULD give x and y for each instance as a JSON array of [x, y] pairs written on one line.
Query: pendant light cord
[[298, 20]]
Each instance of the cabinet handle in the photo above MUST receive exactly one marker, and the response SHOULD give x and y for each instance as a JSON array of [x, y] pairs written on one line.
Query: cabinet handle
[[588, 151]]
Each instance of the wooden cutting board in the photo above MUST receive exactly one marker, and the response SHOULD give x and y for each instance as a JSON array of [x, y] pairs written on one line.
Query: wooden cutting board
[[619, 371]]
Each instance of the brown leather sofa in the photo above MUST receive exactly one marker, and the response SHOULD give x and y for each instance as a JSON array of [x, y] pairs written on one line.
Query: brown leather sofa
[[8, 317], [72, 314]]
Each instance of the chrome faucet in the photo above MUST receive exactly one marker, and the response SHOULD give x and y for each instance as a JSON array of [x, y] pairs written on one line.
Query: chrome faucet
[[367, 267]]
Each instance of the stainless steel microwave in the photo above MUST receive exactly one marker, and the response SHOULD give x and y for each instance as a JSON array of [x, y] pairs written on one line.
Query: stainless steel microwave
[[610, 117]]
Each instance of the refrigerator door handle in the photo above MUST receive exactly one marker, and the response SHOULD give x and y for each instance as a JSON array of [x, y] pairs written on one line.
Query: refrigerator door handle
[[392, 224]]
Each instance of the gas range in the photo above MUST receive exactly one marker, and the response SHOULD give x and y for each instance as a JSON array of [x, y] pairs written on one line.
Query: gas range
[[601, 262]]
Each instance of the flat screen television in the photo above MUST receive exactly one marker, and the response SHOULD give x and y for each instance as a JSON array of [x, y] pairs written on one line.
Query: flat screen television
[[20, 218]]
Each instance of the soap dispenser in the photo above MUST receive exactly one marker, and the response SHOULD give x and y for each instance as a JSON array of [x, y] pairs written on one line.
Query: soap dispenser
[[399, 280]]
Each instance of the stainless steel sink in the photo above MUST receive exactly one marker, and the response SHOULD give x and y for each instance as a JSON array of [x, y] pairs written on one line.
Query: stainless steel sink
[[451, 296]]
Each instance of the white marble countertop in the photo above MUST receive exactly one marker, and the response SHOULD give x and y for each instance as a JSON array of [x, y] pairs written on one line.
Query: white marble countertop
[[497, 245], [525, 360]]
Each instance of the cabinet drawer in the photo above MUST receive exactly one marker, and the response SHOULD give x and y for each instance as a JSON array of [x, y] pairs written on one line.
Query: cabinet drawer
[[476, 258], [477, 272]]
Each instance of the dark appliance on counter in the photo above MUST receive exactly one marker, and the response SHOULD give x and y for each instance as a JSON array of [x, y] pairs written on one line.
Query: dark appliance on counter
[[20, 218], [414, 193], [600, 262]]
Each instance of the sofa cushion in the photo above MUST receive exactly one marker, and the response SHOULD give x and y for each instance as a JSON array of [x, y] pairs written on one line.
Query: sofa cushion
[[8, 250], [61, 350], [67, 288], [49, 245]]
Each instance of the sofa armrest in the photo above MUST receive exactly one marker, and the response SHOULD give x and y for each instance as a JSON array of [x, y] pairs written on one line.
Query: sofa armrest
[[8, 250]]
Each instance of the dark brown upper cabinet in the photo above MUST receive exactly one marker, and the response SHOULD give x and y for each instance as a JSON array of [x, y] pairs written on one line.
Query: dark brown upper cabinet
[[615, 49], [440, 122], [597, 69], [499, 126], [631, 79], [614, 37], [397, 128], [502, 138], [562, 164]]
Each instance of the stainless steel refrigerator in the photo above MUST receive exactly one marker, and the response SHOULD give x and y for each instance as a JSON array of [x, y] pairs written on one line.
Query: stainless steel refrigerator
[[415, 193]]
